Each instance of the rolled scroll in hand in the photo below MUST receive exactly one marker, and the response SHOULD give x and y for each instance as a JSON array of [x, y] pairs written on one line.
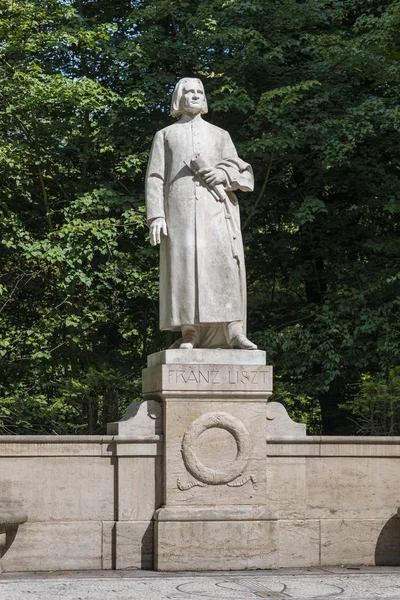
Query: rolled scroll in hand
[[199, 162]]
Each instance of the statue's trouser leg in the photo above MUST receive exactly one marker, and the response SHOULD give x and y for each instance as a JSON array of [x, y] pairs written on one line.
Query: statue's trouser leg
[[190, 337], [233, 329], [237, 338]]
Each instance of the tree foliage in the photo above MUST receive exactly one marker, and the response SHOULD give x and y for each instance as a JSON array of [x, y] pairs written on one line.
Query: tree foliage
[[309, 90], [375, 409]]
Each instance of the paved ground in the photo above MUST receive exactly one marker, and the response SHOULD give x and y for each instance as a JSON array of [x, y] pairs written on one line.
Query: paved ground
[[375, 583]]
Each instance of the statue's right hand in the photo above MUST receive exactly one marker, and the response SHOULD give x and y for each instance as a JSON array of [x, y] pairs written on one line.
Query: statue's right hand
[[157, 226]]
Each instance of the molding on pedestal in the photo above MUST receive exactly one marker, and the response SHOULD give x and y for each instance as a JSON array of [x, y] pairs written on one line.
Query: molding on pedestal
[[209, 381], [215, 513], [199, 356]]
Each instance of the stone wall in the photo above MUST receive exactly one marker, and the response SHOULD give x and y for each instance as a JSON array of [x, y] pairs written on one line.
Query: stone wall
[[91, 499], [337, 499]]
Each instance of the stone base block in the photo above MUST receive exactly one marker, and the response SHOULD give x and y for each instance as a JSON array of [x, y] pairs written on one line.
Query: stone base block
[[360, 542], [128, 545], [215, 539], [299, 543], [134, 545], [55, 546]]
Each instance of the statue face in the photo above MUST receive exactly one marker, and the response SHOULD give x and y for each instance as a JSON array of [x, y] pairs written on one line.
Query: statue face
[[193, 97]]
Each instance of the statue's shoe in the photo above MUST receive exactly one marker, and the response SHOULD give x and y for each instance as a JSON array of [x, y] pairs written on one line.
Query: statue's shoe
[[188, 342], [241, 342]]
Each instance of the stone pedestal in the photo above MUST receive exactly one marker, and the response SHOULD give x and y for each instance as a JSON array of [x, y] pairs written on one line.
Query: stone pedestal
[[214, 514]]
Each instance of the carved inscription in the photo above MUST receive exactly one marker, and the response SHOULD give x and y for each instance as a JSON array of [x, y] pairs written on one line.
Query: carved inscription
[[215, 377], [194, 376], [236, 376]]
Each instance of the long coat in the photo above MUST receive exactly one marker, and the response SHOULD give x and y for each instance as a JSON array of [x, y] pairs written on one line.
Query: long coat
[[202, 273]]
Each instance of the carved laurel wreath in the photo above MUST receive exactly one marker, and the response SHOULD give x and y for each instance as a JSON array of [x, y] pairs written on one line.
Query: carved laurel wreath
[[200, 471]]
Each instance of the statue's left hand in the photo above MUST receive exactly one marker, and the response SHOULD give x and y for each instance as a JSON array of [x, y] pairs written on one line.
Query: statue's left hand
[[157, 226], [212, 175]]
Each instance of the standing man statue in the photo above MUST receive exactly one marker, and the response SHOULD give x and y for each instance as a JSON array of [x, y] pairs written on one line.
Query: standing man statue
[[192, 211]]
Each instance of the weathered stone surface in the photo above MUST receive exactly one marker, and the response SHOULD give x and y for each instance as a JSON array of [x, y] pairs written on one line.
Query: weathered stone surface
[[134, 545], [60, 488], [128, 545], [299, 543], [146, 446], [215, 513], [286, 486], [108, 545], [279, 422], [141, 418], [55, 445], [206, 356], [139, 488], [289, 446], [333, 446], [12, 514], [352, 488], [216, 545], [223, 461], [360, 542], [55, 546], [377, 447]]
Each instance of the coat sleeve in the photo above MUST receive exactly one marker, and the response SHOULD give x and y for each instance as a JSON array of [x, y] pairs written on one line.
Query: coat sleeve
[[239, 174], [155, 179]]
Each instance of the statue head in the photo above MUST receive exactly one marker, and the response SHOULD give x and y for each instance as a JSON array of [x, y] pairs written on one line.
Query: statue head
[[189, 97]]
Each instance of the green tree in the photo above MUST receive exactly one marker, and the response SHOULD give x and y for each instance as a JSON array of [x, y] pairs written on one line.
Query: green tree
[[309, 90], [375, 409], [77, 279]]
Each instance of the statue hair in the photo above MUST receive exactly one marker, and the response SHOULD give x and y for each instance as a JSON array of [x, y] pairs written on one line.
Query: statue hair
[[176, 110]]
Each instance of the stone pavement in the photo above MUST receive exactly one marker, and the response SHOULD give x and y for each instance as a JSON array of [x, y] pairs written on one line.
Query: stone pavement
[[364, 583]]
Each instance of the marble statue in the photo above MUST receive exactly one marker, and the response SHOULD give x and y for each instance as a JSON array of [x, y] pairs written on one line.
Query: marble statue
[[192, 211]]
